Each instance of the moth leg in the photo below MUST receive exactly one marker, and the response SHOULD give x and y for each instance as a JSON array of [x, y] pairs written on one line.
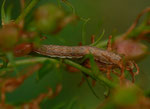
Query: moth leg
[[93, 65], [130, 68], [109, 47], [43, 38], [116, 73], [80, 44], [86, 64], [122, 74], [72, 69], [108, 73], [122, 69], [92, 39], [137, 68], [82, 80], [93, 83], [132, 74], [89, 62]]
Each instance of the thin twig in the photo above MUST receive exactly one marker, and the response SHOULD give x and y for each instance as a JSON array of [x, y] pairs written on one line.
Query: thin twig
[[27, 10], [135, 22], [97, 77], [69, 62]]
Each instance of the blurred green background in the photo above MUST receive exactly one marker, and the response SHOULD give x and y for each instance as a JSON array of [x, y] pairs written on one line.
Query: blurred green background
[[114, 16]]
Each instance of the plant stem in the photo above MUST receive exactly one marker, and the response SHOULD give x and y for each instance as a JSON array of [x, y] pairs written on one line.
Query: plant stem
[[32, 61], [102, 44], [87, 71], [27, 10], [70, 5]]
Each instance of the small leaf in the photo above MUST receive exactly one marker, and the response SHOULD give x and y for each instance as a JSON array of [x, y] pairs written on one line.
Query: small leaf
[[98, 40], [70, 5], [93, 64], [8, 14], [3, 16]]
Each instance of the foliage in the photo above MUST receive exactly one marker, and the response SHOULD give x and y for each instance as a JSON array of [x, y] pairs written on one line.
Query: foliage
[[19, 63]]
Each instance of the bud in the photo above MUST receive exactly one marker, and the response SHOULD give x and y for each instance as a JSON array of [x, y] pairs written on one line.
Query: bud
[[126, 95], [130, 49], [48, 17], [8, 37], [22, 49]]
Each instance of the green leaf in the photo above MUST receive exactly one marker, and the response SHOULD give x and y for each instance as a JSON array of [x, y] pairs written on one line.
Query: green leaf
[[70, 5], [27, 10], [8, 14], [46, 68], [93, 64], [3, 16], [98, 40]]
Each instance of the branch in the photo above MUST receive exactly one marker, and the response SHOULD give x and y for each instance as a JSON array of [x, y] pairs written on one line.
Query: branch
[[87, 71], [135, 22], [27, 10]]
